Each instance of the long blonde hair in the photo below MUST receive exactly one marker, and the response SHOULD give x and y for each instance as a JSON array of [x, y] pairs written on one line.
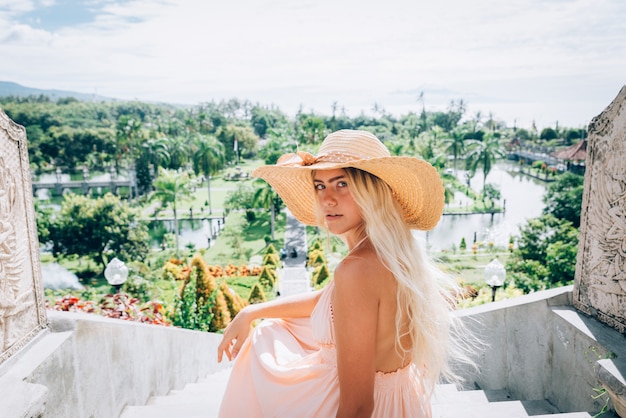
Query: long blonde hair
[[425, 295]]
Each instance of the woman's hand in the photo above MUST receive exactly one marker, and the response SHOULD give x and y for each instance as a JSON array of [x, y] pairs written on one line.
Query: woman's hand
[[235, 335]]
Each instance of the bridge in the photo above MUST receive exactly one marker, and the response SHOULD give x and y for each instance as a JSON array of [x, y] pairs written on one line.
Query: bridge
[[530, 156], [113, 183]]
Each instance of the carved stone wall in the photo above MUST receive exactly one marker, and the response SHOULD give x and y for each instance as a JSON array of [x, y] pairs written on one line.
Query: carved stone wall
[[600, 281], [22, 307]]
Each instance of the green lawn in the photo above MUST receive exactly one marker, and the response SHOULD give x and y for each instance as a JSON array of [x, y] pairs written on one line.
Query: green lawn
[[242, 239]]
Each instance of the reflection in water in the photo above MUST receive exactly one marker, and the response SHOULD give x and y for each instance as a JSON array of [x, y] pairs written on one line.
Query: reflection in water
[[195, 231], [521, 195]]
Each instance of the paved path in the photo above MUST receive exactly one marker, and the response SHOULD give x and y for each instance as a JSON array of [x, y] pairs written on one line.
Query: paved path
[[295, 238], [294, 277]]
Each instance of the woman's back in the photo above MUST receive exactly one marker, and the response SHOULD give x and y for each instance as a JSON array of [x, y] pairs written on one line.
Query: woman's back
[[383, 286]]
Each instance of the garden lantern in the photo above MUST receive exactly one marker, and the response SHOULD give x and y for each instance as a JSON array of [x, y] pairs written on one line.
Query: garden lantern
[[495, 274], [116, 273]]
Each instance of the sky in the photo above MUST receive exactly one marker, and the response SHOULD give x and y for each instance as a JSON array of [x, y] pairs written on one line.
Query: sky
[[521, 61]]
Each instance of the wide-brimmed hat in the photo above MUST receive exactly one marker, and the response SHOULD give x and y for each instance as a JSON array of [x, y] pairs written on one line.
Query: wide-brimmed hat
[[415, 184]]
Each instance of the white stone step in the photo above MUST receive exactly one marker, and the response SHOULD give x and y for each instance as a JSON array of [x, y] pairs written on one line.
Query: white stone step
[[456, 397], [508, 409], [202, 400]]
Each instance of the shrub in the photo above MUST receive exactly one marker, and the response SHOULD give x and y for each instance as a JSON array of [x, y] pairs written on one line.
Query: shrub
[[316, 258], [257, 295], [201, 305], [139, 287], [270, 249], [234, 302], [271, 259], [267, 279], [320, 275]]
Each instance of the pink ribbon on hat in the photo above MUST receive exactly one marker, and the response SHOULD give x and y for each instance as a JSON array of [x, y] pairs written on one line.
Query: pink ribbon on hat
[[303, 158]]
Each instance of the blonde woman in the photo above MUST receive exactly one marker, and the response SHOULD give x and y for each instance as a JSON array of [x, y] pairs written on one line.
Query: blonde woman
[[374, 342]]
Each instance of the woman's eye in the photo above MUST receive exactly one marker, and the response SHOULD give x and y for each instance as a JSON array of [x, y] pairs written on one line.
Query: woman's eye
[[342, 184], [319, 186]]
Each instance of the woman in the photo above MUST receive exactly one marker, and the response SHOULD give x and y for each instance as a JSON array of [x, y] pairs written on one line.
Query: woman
[[375, 340]]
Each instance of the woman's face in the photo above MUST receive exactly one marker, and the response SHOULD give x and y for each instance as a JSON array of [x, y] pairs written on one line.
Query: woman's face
[[341, 213]]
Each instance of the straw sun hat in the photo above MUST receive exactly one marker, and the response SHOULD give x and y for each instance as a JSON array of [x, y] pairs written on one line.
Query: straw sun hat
[[416, 185]]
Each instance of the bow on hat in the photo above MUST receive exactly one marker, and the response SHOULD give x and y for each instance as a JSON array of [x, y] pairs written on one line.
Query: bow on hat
[[304, 159], [300, 158]]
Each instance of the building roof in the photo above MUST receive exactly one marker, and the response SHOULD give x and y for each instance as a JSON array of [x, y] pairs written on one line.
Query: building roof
[[576, 152]]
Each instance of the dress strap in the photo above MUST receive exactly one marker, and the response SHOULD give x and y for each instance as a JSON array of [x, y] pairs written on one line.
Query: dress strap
[[358, 243]]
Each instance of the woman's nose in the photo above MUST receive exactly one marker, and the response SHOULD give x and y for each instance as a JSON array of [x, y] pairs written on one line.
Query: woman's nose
[[329, 199]]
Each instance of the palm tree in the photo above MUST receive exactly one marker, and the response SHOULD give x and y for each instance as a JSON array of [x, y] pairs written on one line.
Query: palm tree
[[209, 156], [171, 187], [483, 154], [128, 136], [267, 198], [178, 150], [156, 151], [456, 144]]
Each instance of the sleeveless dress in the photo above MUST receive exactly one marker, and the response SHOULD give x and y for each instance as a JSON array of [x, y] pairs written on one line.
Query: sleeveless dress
[[287, 368]]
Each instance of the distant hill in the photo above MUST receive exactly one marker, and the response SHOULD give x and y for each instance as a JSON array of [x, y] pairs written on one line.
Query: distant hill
[[8, 88]]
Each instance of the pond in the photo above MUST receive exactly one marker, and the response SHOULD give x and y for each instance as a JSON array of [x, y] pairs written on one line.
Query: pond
[[191, 231], [521, 197]]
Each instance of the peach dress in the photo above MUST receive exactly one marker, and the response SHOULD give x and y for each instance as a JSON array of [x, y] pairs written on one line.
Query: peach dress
[[288, 368]]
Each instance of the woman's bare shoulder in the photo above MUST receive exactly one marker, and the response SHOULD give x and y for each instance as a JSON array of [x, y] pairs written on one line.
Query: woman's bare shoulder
[[362, 268]]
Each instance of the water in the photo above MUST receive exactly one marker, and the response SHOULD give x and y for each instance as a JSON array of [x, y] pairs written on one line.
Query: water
[[521, 195], [195, 231]]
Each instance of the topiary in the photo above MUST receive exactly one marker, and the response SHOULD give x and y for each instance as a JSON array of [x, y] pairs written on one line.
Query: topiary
[[257, 295]]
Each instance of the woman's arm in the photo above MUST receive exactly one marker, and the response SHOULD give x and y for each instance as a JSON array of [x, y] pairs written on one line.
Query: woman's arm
[[295, 306], [355, 308]]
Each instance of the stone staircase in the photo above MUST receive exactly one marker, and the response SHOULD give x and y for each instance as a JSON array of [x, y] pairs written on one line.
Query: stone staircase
[[294, 280], [202, 400]]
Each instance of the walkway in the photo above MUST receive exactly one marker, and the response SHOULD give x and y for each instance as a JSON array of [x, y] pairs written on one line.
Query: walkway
[[294, 277]]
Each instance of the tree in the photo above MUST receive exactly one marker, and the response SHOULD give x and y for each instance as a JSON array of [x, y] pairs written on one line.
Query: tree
[[267, 198], [455, 144], [171, 187], [208, 156], [483, 154], [107, 227], [312, 129], [546, 253], [548, 134], [241, 198], [492, 193], [564, 198], [128, 136], [246, 141], [178, 152]]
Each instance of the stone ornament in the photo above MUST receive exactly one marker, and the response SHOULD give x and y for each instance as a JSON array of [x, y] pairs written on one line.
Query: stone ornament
[[22, 306], [600, 281]]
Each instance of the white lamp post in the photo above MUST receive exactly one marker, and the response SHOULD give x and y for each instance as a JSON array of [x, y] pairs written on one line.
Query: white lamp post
[[495, 274], [116, 273]]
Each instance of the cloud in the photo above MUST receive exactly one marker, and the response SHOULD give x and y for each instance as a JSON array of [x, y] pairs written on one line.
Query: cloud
[[510, 54]]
